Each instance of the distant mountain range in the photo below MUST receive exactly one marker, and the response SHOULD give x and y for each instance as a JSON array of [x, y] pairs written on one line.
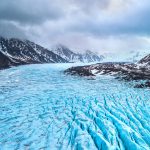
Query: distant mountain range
[[14, 52], [87, 57]]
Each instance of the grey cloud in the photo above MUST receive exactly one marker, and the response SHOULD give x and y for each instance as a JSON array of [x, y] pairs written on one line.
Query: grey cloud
[[78, 23], [9, 29], [29, 11], [90, 6], [134, 21]]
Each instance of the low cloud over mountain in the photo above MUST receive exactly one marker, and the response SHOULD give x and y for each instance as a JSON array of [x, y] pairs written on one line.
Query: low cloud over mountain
[[103, 25]]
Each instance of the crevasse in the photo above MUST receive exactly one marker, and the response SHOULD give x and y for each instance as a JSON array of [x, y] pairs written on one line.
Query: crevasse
[[42, 108]]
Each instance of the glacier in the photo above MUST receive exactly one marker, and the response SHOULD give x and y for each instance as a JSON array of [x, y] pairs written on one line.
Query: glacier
[[44, 109]]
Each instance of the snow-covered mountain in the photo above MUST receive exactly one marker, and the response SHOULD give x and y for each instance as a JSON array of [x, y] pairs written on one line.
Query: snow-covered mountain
[[145, 61], [71, 56], [90, 56], [135, 56], [17, 52]]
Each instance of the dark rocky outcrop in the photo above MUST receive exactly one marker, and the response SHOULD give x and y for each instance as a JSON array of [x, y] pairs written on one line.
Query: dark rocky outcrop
[[139, 71], [145, 61], [81, 71]]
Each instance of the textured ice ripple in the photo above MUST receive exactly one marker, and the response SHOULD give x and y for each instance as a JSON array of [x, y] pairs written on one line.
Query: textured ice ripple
[[42, 109]]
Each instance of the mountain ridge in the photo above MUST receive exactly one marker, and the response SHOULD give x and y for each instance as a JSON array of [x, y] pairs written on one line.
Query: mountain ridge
[[14, 52], [71, 56]]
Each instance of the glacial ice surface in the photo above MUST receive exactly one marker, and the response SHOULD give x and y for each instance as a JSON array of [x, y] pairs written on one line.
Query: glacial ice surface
[[41, 108]]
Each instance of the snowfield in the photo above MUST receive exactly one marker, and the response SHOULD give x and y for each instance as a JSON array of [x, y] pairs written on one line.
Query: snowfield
[[44, 109]]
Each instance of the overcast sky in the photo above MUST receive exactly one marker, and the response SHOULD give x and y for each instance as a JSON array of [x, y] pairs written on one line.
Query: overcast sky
[[99, 25]]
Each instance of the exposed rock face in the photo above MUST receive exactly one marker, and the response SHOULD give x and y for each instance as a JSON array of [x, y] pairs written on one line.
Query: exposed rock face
[[81, 71], [145, 61], [5, 61], [15, 52], [126, 71], [71, 56]]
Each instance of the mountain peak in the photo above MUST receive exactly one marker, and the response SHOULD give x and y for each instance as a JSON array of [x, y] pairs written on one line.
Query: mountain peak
[[71, 56], [89, 52], [145, 61]]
